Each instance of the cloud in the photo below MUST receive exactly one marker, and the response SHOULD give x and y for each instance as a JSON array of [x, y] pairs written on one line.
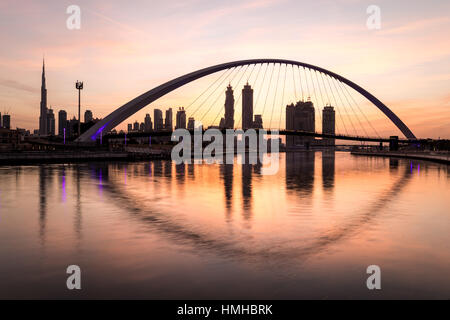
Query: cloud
[[18, 86]]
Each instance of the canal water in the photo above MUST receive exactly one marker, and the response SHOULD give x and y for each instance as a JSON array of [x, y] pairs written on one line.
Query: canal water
[[158, 230]]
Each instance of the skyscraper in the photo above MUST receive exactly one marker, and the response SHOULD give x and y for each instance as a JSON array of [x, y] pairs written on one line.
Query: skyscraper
[[88, 117], [247, 107], [6, 121], [158, 118], [181, 119], [148, 123], [169, 120], [43, 114], [300, 116], [50, 122], [229, 108], [129, 127], [329, 124], [258, 123], [191, 123], [136, 126], [62, 122]]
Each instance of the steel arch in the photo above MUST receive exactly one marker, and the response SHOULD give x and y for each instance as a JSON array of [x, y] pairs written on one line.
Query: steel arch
[[133, 106]]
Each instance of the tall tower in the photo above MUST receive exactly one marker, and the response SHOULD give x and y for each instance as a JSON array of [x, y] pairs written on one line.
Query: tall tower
[[62, 122], [247, 107], [43, 114], [169, 118], [328, 124], [158, 118], [181, 119], [229, 108]]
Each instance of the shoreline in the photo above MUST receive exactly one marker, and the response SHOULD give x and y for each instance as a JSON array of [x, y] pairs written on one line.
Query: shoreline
[[445, 159]]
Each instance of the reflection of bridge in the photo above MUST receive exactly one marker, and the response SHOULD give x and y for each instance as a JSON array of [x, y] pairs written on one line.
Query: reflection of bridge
[[328, 88]]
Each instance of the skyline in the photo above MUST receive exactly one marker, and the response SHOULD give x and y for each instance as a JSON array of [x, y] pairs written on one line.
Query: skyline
[[412, 81]]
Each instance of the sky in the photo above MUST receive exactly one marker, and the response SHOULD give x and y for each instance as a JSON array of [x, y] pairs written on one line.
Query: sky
[[124, 49]]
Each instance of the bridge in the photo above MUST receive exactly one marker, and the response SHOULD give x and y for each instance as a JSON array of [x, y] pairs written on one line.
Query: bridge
[[311, 86], [167, 133]]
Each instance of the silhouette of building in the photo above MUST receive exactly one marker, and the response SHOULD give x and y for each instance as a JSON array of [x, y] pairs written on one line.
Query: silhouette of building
[[169, 120], [129, 127], [191, 124], [247, 107], [1, 120], [136, 126], [73, 126], [181, 119], [142, 127], [328, 124], [6, 121], [148, 123], [62, 122], [300, 116], [88, 117], [43, 114], [222, 123], [258, 123], [157, 116], [50, 122], [229, 108]]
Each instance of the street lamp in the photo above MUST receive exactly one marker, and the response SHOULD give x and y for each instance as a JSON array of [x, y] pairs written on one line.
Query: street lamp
[[79, 87]]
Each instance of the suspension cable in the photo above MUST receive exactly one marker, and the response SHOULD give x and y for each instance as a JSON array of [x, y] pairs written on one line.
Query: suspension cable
[[275, 96], [220, 84]]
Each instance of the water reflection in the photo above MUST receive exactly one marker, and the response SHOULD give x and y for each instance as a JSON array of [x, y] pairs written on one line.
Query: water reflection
[[300, 172], [43, 180], [226, 173], [328, 165], [299, 178], [145, 218]]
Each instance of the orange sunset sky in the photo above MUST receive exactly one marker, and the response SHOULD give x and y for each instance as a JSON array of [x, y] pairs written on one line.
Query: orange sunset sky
[[126, 48]]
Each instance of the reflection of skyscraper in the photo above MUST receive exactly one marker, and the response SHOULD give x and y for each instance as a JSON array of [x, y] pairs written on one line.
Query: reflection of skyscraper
[[42, 202], [300, 116], [181, 119], [246, 189], [300, 171], [62, 122], [328, 124], [229, 108], [226, 172], [158, 118], [328, 159], [247, 107], [43, 115], [169, 116]]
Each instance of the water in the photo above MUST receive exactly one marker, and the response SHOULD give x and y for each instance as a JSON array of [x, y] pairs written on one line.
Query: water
[[157, 230]]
